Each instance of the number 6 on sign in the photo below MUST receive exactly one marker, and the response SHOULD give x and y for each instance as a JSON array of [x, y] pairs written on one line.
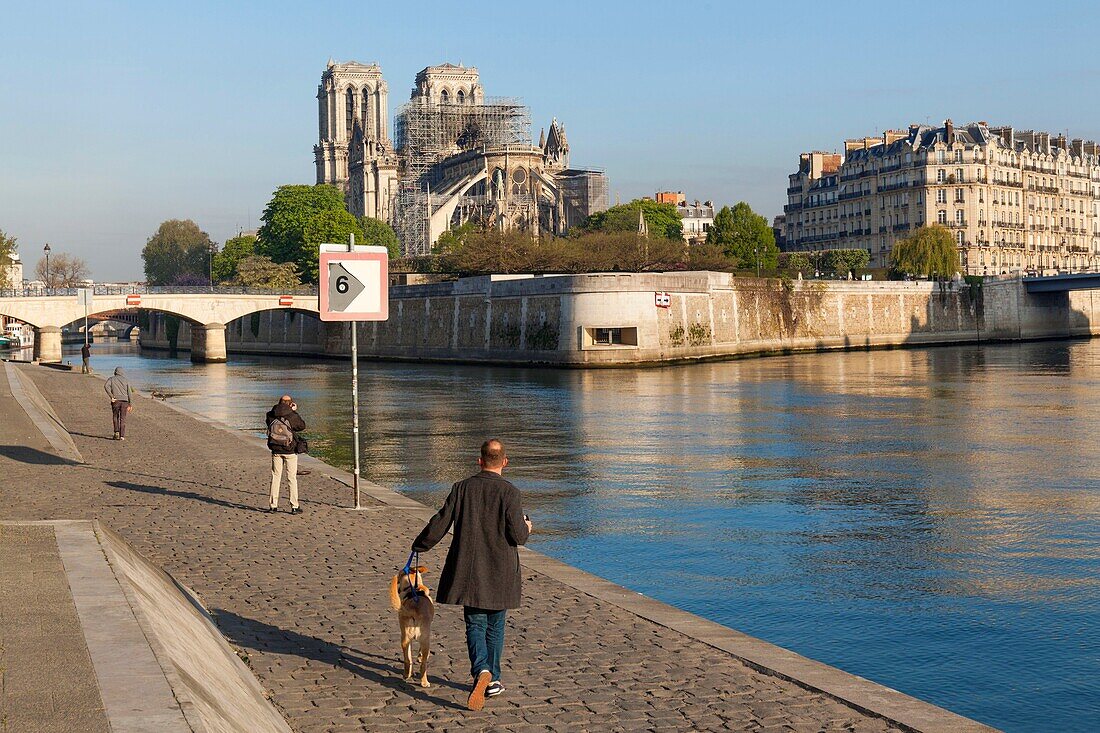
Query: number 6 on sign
[[354, 286]]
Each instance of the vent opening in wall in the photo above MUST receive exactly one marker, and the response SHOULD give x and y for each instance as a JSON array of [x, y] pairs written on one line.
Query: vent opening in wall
[[596, 337]]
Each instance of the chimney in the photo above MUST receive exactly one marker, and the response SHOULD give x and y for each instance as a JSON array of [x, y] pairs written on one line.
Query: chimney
[[850, 145], [948, 131], [1078, 146]]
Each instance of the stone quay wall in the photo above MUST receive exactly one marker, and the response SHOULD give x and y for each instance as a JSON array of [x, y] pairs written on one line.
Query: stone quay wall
[[625, 319]]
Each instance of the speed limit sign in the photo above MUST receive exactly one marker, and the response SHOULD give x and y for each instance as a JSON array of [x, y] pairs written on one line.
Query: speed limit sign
[[354, 285]]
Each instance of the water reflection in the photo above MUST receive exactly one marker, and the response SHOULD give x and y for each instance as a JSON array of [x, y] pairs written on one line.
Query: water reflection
[[899, 514]]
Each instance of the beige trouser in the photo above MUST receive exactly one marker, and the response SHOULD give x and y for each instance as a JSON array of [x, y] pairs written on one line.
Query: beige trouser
[[277, 463]]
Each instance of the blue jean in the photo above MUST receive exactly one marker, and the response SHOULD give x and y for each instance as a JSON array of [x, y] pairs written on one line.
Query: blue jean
[[484, 639]]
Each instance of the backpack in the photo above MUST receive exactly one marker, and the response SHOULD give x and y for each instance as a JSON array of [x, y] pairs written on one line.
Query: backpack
[[279, 433]]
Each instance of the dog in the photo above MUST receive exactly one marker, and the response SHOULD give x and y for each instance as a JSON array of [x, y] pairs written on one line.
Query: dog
[[415, 610]]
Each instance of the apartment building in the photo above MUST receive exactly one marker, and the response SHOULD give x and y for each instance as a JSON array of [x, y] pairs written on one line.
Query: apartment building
[[1015, 201]]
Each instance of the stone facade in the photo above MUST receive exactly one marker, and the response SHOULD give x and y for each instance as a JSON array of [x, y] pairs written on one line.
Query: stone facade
[[616, 319], [354, 151], [1015, 201]]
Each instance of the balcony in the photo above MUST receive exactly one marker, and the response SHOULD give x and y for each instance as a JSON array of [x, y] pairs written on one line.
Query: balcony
[[851, 195], [956, 225]]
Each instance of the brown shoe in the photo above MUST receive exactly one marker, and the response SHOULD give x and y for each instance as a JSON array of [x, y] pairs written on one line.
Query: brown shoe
[[477, 695]]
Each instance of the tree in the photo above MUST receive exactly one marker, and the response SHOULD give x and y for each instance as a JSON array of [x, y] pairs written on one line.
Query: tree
[[178, 251], [662, 220], [7, 257], [929, 252], [380, 234], [66, 271], [257, 271], [233, 251], [842, 261], [745, 236], [300, 217]]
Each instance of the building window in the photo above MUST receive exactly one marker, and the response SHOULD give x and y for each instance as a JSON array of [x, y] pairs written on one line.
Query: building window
[[461, 97], [959, 238], [365, 111], [612, 336], [958, 156], [941, 196], [941, 175], [940, 156], [958, 195], [959, 216], [349, 117], [444, 97], [941, 217]]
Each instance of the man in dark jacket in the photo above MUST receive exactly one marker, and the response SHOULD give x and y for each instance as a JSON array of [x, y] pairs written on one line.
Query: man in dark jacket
[[283, 425], [118, 389], [481, 572]]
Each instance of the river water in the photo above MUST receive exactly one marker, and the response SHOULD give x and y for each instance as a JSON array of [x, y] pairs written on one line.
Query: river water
[[928, 518]]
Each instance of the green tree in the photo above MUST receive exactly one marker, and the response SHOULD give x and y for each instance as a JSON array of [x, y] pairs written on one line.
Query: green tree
[[662, 220], [257, 271], [233, 251], [177, 250], [929, 251], [300, 217], [745, 236], [7, 256], [842, 261], [380, 234]]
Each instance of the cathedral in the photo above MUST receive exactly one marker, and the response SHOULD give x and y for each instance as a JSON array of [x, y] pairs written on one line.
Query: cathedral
[[455, 157]]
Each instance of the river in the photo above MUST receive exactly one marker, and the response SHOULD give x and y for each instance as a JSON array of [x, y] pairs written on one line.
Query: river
[[926, 518]]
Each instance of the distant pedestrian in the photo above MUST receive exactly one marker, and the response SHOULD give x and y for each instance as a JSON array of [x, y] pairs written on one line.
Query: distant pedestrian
[[85, 358], [481, 572], [120, 392], [283, 425]]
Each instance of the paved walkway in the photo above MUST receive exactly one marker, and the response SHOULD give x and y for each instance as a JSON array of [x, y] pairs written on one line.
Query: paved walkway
[[304, 597]]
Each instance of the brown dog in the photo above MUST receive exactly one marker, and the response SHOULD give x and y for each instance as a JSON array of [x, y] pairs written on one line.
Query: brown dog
[[415, 611]]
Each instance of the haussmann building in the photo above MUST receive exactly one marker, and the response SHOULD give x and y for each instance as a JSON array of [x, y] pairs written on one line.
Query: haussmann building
[[1015, 201]]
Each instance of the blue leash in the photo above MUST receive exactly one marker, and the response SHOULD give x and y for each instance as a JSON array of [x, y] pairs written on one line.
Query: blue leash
[[410, 571]]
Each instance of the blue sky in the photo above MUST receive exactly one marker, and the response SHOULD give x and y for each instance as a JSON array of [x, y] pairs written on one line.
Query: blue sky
[[117, 115]]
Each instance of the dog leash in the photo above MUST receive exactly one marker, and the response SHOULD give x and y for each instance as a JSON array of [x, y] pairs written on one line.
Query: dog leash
[[410, 572]]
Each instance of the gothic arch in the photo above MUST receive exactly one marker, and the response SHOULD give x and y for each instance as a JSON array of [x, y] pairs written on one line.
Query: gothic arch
[[444, 96]]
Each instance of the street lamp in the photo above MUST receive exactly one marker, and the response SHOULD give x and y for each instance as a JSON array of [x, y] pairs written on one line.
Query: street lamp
[[210, 258], [756, 251], [46, 249]]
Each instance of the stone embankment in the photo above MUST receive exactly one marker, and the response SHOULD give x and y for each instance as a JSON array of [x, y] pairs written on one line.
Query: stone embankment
[[303, 598], [657, 318]]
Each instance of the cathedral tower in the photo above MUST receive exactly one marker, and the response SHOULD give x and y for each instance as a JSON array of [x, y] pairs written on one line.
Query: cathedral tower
[[349, 93]]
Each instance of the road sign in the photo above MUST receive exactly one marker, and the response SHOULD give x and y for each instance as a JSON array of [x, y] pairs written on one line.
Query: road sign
[[662, 300], [286, 300], [133, 299], [354, 285], [84, 296]]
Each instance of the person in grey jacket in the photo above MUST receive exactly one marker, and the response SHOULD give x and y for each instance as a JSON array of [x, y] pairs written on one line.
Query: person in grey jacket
[[120, 392], [481, 572]]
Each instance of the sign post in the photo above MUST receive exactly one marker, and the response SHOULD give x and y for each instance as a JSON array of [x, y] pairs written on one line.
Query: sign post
[[354, 286], [84, 297]]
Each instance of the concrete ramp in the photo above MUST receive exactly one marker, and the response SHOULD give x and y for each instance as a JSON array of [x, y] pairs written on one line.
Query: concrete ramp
[[159, 662]]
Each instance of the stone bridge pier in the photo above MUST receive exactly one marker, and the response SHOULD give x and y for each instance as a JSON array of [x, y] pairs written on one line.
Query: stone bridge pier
[[47, 343], [208, 343]]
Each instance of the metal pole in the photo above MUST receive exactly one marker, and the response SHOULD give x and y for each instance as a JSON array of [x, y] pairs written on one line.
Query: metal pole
[[354, 396], [85, 321]]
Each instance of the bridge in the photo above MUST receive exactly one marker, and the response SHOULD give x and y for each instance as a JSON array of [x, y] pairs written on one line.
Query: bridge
[[207, 309], [1062, 283]]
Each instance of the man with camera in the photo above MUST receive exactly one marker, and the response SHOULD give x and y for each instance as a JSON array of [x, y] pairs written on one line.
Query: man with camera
[[283, 425]]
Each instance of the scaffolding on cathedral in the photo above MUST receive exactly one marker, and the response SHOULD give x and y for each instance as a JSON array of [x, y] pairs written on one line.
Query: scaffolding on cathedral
[[426, 134]]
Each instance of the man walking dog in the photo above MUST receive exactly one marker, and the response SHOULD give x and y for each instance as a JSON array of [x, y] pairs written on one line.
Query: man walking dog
[[481, 572], [283, 425]]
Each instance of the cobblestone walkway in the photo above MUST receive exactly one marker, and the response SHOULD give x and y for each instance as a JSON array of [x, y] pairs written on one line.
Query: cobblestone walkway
[[304, 597]]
